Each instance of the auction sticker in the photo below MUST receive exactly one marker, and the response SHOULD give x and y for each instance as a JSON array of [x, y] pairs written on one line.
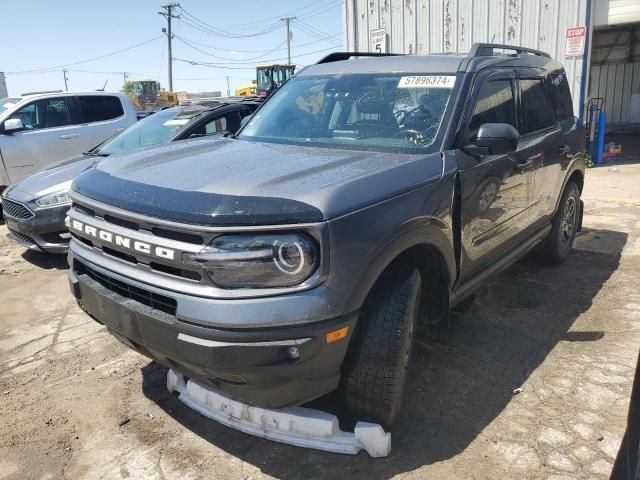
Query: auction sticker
[[427, 81]]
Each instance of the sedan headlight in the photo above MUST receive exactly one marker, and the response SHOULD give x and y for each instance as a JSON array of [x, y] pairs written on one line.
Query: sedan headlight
[[258, 261], [54, 199]]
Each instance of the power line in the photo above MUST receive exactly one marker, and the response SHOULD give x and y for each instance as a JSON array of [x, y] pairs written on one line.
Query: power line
[[128, 74], [305, 27], [226, 67], [313, 5], [202, 29], [321, 10], [205, 27], [204, 64], [244, 60], [193, 42], [57, 67]]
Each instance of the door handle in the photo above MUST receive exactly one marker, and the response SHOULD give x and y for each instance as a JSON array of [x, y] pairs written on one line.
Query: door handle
[[522, 166], [563, 149], [68, 136]]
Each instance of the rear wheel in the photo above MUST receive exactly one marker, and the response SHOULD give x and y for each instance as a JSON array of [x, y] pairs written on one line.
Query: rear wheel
[[555, 249], [378, 359]]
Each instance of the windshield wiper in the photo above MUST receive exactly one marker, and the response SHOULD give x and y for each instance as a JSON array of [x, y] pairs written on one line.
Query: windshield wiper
[[95, 154]]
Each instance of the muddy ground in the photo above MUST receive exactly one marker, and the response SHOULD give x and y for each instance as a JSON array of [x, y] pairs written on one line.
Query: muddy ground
[[74, 403]]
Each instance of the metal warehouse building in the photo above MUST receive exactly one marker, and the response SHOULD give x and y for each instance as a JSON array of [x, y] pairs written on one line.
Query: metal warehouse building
[[598, 40]]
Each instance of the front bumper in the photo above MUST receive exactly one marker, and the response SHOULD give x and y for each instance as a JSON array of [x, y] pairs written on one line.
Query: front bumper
[[271, 367], [45, 231]]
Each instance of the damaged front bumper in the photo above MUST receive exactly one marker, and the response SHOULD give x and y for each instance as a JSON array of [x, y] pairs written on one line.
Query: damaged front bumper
[[299, 426]]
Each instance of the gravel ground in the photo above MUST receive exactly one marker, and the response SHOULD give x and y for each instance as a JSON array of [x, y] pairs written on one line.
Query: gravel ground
[[74, 403]]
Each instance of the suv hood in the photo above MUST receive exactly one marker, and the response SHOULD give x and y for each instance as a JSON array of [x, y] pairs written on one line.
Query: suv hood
[[238, 182]]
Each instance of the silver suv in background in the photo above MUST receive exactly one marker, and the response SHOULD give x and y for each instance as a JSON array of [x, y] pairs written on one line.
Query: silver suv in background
[[39, 129]]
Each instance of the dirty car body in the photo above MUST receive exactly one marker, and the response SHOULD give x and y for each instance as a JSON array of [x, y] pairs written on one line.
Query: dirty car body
[[240, 262]]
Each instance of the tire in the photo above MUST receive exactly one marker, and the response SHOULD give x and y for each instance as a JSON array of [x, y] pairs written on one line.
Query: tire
[[376, 366], [556, 247]]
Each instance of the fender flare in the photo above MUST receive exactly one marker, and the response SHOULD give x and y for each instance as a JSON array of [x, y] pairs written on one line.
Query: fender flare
[[577, 165], [428, 232]]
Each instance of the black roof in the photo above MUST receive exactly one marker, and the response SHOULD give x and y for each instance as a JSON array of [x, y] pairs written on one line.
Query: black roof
[[480, 56], [200, 106]]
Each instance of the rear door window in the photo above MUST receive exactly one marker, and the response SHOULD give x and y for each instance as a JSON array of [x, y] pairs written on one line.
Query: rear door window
[[219, 125], [98, 108], [537, 111], [49, 113], [561, 96], [495, 104]]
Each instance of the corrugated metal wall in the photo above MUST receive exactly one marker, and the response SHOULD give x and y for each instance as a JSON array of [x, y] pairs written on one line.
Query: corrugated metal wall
[[618, 11], [428, 26], [615, 71], [616, 83]]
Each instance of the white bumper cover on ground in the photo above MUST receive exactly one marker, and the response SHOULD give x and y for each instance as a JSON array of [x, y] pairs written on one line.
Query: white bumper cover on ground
[[303, 427]]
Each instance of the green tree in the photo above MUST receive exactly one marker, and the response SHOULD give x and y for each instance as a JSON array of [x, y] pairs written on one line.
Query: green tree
[[127, 87]]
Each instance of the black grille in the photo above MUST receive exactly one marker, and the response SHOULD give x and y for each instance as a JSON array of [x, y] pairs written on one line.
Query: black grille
[[21, 237], [16, 210], [83, 209], [159, 302], [179, 236], [122, 222]]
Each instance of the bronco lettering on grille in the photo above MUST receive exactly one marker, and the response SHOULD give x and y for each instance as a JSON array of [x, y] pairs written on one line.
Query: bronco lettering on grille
[[122, 241]]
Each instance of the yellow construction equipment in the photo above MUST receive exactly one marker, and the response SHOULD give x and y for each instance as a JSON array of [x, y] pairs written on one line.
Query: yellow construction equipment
[[270, 77], [247, 90], [147, 95]]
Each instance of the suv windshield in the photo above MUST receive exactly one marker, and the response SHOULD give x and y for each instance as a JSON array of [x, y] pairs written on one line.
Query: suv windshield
[[379, 111], [154, 129]]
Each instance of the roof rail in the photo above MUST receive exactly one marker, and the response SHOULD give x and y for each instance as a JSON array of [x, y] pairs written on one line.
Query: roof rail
[[486, 50], [339, 56], [43, 91]]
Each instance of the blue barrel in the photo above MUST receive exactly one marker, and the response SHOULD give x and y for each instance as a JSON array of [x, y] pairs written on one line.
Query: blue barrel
[[602, 119]]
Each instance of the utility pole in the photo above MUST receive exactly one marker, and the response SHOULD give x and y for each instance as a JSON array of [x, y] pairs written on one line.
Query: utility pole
[[228, 88], [66, 86], [124, 78], [287, 22], [168, 9]]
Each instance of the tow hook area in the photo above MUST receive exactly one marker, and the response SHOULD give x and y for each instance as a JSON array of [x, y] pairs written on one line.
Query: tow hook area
[[299, 426]]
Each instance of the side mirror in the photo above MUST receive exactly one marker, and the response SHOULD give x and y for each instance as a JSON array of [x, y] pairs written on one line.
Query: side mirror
[[494, 139], [12, 125]]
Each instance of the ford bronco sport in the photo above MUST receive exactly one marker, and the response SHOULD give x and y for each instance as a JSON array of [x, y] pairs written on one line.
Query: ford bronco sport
[[361, 202]]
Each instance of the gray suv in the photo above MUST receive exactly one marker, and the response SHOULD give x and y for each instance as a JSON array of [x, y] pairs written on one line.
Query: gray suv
[[361, 202]]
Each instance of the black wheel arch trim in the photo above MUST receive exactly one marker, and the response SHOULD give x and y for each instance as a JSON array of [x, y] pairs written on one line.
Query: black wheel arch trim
[[577, 165]]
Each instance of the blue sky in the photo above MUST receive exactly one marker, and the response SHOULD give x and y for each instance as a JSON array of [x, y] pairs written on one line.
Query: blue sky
[[39, 34]]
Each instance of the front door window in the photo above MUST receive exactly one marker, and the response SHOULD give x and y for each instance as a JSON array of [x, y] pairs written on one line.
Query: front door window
[[49, 113]]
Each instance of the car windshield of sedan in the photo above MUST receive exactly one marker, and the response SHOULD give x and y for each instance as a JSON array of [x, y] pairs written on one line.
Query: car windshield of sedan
[[364, 111], [152, 130]]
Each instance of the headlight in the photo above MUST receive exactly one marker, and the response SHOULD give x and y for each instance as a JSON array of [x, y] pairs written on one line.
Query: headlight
[[258, 261], [54, 199]]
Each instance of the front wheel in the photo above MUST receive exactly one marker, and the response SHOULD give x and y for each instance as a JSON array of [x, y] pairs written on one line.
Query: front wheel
[[376, 366], [555, 249]]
